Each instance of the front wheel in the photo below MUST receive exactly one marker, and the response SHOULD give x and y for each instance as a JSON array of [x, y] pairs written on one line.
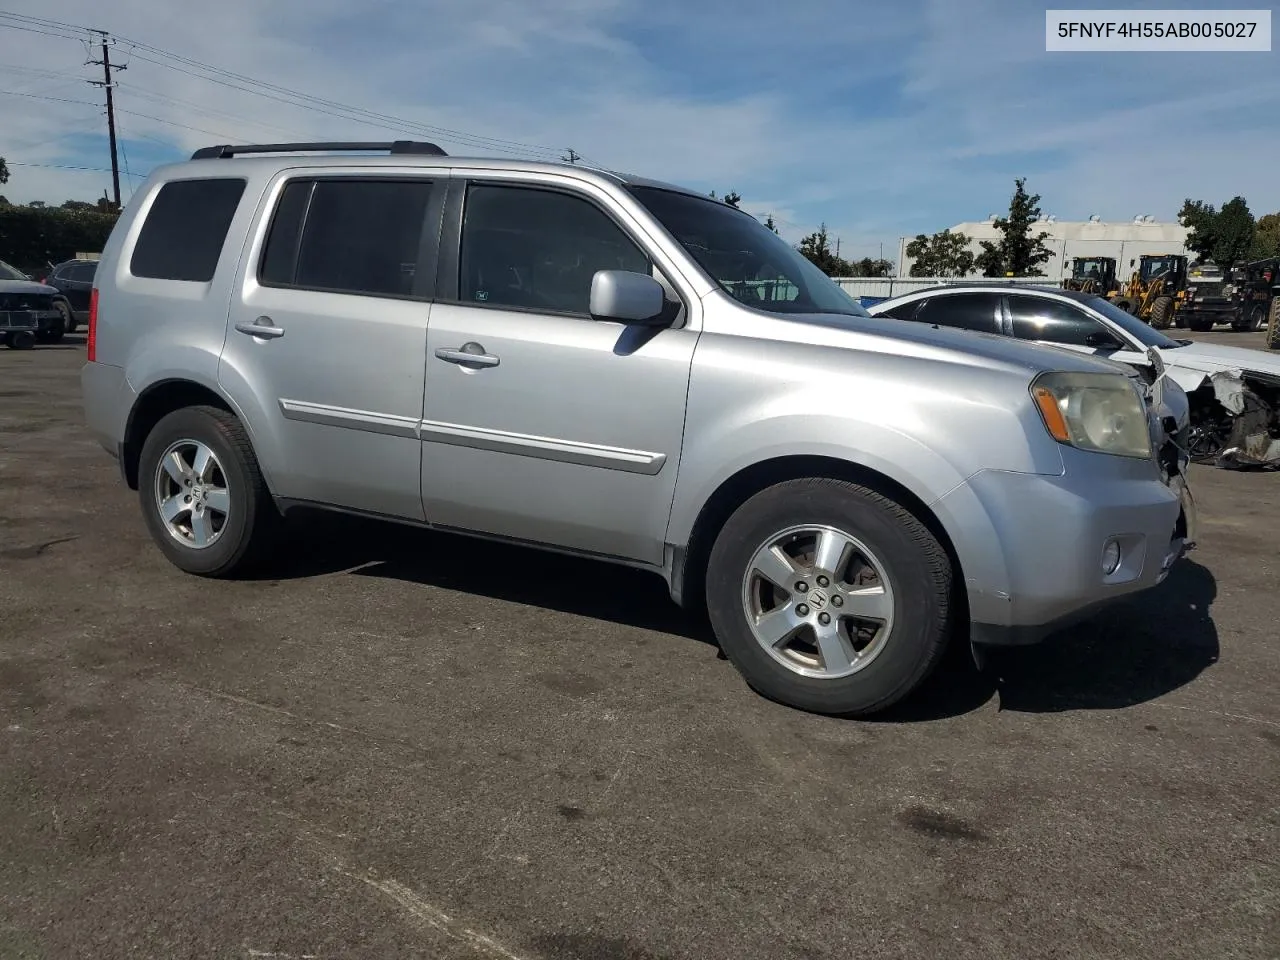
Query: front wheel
[[1162, 313], [54, 332], [202, 493], [68, 316], [828, 596]]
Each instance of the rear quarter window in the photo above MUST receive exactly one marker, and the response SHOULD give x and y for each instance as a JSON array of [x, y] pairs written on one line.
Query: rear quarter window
[[185, 229]]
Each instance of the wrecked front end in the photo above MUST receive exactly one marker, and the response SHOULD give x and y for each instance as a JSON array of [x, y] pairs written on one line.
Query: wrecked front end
[[1237, 424], [1171, 429]]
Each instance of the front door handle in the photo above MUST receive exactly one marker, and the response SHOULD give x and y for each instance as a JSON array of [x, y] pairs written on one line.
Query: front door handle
[[468, 355], [262, 327]]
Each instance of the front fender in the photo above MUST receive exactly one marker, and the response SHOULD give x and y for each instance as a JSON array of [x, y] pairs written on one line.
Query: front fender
[[715, 456]]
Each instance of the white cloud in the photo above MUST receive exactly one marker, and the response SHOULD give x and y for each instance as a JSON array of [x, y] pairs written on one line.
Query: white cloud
[[882, 121]]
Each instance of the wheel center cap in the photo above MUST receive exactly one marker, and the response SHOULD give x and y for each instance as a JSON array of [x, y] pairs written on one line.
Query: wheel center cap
[[816, 598]]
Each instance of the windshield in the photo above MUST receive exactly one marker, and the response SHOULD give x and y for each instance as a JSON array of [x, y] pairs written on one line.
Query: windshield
[[1207, 272], [1156, 267], [750, 262], [1090, 269], [9, 273], [1148, 336]]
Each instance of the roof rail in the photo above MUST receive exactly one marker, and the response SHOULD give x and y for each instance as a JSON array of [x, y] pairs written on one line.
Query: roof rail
[[223, 151]]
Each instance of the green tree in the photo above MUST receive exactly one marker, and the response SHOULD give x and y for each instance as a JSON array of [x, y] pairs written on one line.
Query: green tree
[[1019, 253], [79, 205], [1266, 241], [870, 267], [1199, 219], [945, 254], [1224, 236], [817, 248], [1233, 233], [4, 171], [732, 198]]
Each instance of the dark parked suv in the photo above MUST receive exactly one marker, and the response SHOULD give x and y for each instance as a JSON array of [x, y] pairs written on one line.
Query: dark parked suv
[[74, 280]]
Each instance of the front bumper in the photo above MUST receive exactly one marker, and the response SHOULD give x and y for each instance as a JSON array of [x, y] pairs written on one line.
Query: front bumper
[[1218, 308], [16, 321], [1035, 563]]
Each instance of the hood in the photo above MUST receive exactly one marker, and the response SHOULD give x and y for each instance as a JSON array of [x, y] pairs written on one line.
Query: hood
[[908, 338], [1213, 357], [26, 286]]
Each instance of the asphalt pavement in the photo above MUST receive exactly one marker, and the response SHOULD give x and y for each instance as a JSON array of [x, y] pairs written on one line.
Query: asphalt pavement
[[415, 745]]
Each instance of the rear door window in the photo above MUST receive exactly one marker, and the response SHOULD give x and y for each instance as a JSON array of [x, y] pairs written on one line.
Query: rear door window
[[964, 311], [360, 236]]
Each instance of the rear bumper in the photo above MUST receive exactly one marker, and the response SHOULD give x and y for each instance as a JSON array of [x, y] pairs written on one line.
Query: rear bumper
[[1033, 549], [107, 399]]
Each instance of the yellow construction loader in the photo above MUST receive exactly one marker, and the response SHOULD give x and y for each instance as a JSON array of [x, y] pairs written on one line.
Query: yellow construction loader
[[1156, 289]]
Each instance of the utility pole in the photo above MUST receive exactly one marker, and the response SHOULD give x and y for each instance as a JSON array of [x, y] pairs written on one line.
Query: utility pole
[[107, 84], [837, 248], [571, 157]]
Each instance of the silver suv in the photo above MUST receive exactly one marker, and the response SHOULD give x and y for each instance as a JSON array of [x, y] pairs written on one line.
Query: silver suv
[[616, 368]]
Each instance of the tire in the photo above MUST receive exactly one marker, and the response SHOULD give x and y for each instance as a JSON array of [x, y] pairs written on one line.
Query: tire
[[1254, 320], [1124, 304], [21, 340], [68, 316], [53, 333], [915, 582], [1273, 325], [1200, 323], [249, 519], [1161, 313]]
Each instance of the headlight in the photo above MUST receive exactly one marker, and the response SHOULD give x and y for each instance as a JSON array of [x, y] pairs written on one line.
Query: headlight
[[1101, 412]]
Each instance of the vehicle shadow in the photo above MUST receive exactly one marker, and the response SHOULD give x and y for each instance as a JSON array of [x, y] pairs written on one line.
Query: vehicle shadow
[[324, 543], [1135, 652]]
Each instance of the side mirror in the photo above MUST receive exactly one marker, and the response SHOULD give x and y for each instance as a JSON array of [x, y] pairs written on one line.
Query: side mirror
[[625, 297]]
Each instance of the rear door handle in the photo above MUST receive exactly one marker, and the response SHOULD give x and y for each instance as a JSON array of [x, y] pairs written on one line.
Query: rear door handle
[[468, 355], [262, 327]]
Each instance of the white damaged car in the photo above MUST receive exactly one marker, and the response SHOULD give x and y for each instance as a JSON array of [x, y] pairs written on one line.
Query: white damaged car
[[1234, 391]]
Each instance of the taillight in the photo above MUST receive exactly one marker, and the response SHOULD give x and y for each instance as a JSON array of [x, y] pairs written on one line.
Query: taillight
[[92, 339]]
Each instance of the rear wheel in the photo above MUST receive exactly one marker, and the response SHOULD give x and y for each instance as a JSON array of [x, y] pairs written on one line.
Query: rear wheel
[[202, 493], [20, 340], [1162, 313], [1124, 303], [828, 596]]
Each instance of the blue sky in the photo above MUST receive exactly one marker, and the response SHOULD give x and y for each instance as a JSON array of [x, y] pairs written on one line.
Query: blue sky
[[882, 120]]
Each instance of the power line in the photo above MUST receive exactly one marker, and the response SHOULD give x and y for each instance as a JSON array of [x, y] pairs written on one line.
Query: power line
[[279, 93], [192, 106], [39, 96], [65, 166]]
